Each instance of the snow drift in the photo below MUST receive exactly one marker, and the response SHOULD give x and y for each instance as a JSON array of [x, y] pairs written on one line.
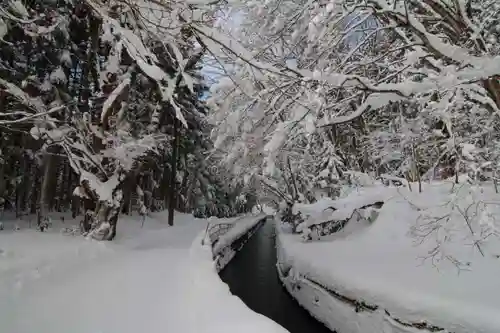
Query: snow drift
[[429, 261], [152, 279]]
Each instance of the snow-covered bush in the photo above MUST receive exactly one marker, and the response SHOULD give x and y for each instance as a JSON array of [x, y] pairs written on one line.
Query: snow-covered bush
[[328, 216]]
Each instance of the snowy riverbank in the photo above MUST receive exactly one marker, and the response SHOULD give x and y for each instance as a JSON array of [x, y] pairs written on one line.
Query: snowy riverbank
[[238, 232], [232, 314], [428, 262], [151, 279]]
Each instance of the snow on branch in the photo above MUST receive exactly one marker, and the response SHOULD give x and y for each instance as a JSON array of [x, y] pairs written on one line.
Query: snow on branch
[[108, 103], [293, 69]]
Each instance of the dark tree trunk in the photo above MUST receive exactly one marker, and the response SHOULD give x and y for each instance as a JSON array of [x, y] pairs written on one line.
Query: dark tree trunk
[[128, 189], [173, 174]]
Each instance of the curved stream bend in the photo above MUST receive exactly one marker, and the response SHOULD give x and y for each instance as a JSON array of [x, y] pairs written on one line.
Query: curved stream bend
[[252, 276]]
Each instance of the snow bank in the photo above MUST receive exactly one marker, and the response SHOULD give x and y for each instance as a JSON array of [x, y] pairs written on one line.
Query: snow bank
[[217, 310], [150, 279], [240, 226], [429, 260], [238, 231]]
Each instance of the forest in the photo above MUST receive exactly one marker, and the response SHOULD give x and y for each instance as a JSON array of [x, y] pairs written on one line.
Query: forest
[[102, 114], [107, 107]]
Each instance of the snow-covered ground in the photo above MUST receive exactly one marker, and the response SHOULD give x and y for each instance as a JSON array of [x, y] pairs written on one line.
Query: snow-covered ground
[[428, 261], [151, 279]]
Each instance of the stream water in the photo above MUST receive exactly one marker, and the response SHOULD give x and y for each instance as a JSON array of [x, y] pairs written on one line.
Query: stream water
[[252, 276]]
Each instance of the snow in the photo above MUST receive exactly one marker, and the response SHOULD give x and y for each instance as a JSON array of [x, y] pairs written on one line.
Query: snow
[[79, 192], [151, 279], [216, 41], [3, 28], [153, 71], [133, 44], [18, 8], [104, 190], [412, 263], [188, 80], [238, 228], [58, 76], [22, 96], [66, 58], [322, 305], [126, 150], [168, 95], [327, 209], [241, 226], [108, 103]]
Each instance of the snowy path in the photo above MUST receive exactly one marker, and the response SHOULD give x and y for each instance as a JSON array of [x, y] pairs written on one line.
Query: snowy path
[[161, 281]]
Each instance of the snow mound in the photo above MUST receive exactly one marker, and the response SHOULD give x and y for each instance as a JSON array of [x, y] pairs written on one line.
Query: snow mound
[[347, 214], [429, 257]]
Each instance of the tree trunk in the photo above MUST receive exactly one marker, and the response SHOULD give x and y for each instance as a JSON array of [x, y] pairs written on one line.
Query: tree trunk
[[164, 184], [48, 182], [35, 186], [173, 174], [107, 219], [128, 189], [185, 205]]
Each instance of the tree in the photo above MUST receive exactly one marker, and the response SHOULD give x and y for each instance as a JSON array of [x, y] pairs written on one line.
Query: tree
[[98, 91], [358, 80]]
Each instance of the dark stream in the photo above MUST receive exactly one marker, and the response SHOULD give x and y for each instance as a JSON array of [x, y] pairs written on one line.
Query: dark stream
[[252, 276]]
